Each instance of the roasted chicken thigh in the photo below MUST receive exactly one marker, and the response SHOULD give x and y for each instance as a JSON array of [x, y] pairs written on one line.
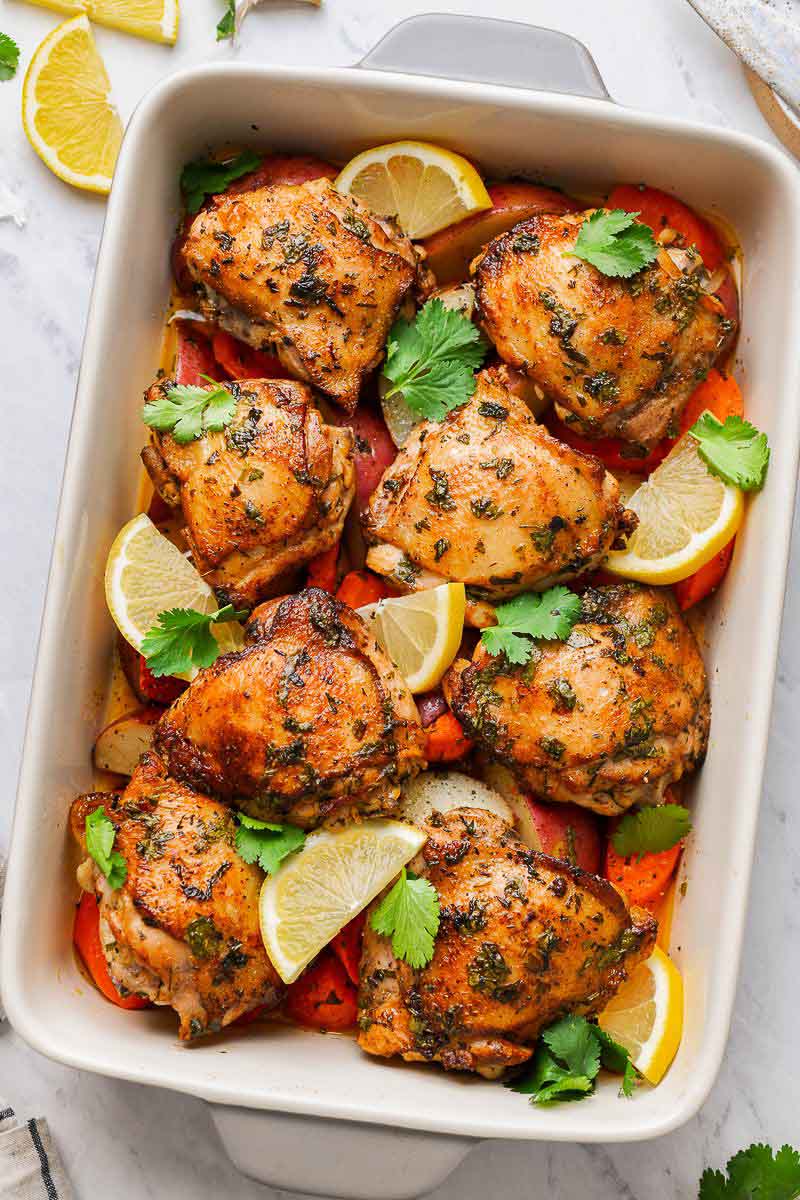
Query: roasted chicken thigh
[[523, 938], [183, 928], [261, 497], [305, 272], [310, 722], [620, 357], [487, 497], [606, 719]]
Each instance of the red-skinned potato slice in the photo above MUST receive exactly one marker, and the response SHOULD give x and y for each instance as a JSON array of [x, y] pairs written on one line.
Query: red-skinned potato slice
[[450, 251], [560, 830], [283, 169], [374, 449], [194, 357], [122, 743]]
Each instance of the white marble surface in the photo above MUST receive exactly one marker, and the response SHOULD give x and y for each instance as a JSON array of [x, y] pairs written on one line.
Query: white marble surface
[[127, 1141]]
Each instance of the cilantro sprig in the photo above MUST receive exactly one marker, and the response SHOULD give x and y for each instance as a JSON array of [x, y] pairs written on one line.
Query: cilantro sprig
[[549, 615], [733, 450], [203, 177], [182, 639], [755, 1174], [651, 830], [615, 242], [265, 843], [568, 1060], [432, 360], [187, 411], [9, 57], [409, 915], [100, 835], [226, 26]]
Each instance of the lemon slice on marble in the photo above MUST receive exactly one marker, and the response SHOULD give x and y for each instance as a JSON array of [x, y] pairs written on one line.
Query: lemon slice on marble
[[145, 575], [686, 515], [155, 20], [646, 1015], [423, 186], [315, 892], [421, 633], [66, 110]]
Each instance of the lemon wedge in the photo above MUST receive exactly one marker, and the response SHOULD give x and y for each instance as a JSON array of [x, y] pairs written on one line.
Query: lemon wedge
[[646, 1015], [155, 20], [145, 575], [421, 633], [686, 515], [425, 187], [315, 892], [66, 111]]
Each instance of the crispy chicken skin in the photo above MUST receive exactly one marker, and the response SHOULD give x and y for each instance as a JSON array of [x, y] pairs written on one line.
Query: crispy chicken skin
[[489, 498], [311, 722], [262, 497], [305, 272], [608, 718], [183, 928], [620, 357], [523, 939]]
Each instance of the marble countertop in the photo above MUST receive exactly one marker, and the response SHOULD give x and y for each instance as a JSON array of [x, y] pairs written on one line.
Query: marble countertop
[[131, 1142]]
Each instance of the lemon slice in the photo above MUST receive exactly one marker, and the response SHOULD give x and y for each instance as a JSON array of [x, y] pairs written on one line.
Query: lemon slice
[[68, 117], [686, 515], [646, 1015], [423, 186], [421, 633], [315, 892], [156, 20], [145, 575]]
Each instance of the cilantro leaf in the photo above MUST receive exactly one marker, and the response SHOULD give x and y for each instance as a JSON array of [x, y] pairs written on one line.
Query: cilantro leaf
[[187, 411], [226, 26], [409, 915], [182, 639], [549, 615], [615, 243], [9, 56], [567, 1062], [651, 830], [615, 1057], [755, 1174], [100, 835], [573, 1040], [203, 177], [266, 843], [734, 451], [432, 360]]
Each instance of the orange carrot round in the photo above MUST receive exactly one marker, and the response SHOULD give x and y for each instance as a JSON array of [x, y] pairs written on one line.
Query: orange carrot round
[[323, 997], [86, 936], [445, 740], [643, 880], [322, 570], [361, 587]]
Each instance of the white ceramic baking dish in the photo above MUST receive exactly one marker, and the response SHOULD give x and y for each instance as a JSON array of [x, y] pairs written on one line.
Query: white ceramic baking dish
[[278, 1091]]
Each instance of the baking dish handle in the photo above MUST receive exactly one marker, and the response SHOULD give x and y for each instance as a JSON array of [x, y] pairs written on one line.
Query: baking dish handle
[[485, 50], [336, 1158]]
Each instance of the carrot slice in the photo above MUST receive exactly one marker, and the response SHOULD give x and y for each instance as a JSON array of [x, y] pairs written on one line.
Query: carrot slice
[[643, 880], [322, 570], [323, 997], [719, 393], [445, 740], [659, 210], [86, 936], [362, 587], [347, 945]]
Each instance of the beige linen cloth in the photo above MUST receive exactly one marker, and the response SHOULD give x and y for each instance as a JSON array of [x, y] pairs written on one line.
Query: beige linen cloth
[[30, 1167]]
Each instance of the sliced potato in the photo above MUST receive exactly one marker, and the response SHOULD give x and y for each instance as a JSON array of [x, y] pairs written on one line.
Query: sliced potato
[[502, 783], [439, 791], [122, 743]]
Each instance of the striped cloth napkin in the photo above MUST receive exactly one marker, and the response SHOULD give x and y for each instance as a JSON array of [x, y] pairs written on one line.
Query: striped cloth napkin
[[30, 1167]]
